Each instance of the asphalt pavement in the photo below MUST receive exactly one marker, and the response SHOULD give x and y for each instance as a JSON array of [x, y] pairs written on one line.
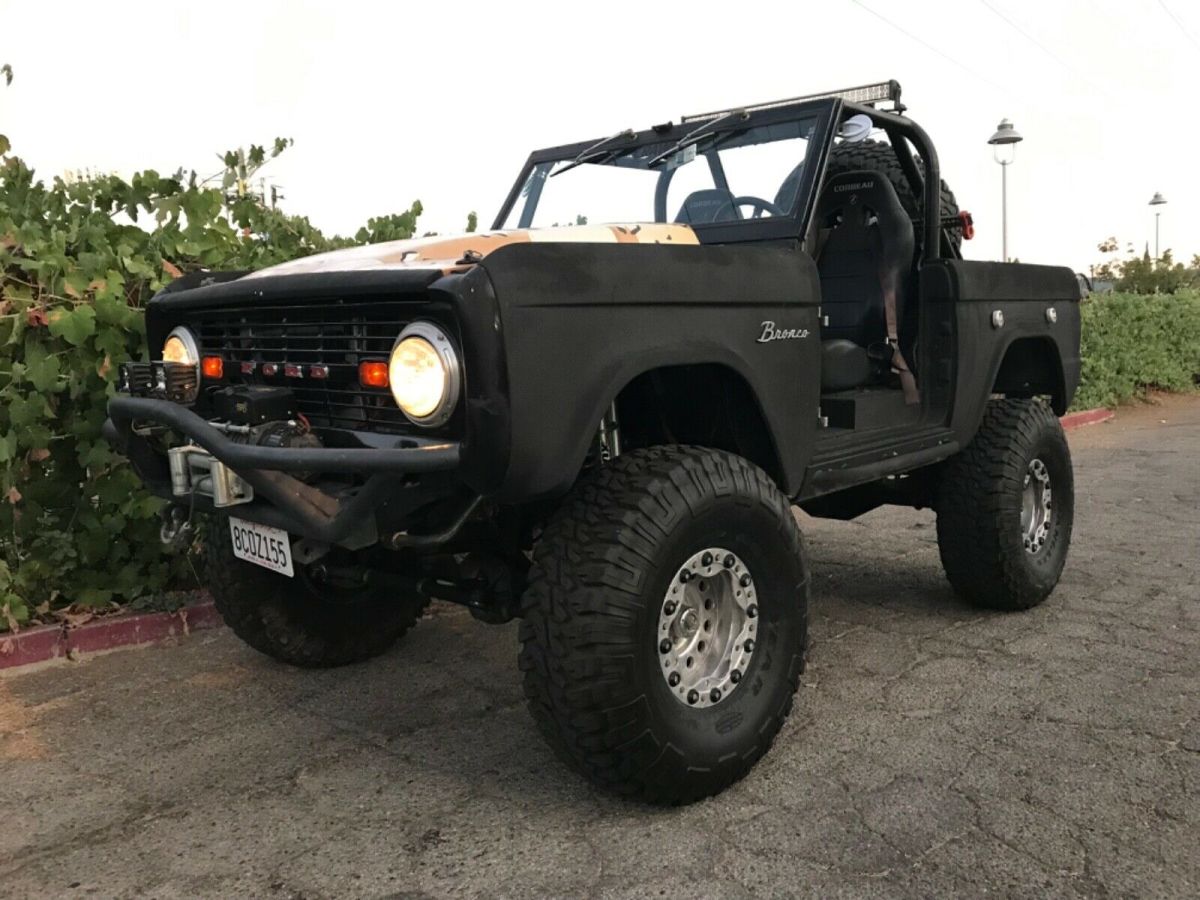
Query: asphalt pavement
[[933, 750]]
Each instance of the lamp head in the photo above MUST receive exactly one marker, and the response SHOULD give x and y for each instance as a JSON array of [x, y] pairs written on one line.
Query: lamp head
[[1005, 134]]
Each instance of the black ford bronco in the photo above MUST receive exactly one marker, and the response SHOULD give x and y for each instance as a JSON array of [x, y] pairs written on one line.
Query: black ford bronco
[[602, 429]]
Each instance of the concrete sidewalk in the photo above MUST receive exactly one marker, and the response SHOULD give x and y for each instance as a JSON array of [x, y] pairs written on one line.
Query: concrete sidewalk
[[934, 749]]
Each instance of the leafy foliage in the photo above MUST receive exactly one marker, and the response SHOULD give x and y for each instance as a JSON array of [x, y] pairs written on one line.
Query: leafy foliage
[[396, 227], [79, 258], [1132, 342]]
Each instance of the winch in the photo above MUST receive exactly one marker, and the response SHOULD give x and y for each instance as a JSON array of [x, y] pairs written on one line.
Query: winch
[[248, 414]]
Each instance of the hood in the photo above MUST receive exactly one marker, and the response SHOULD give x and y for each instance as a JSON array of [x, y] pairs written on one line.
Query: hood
[[460, 252]]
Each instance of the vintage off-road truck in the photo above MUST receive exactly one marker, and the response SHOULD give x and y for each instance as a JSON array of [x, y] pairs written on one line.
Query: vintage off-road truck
[[602, 429]]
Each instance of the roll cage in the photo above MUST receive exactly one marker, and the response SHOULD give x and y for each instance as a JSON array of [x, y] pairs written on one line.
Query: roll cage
[[828, 112]]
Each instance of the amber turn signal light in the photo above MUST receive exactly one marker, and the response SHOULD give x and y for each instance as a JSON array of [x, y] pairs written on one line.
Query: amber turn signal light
[[373, 373], [212, 366]]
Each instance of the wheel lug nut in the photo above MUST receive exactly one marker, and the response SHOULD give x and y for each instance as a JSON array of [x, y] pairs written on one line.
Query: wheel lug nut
[[706, 559], [751, 610], [685, 576], [670, 607], [715, 695], [735, 676], [673, 681], [729, 561], [748, 646], [665, 646], [745, 580], [693, 696]]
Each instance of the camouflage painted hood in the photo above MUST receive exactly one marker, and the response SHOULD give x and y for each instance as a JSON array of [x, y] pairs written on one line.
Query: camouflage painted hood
[[460, 252]]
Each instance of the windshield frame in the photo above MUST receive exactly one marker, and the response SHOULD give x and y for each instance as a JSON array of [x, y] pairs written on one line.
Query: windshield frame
[[791, 225]]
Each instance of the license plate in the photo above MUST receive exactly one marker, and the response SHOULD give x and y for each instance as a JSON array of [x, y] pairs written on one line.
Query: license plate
[[262, 545]]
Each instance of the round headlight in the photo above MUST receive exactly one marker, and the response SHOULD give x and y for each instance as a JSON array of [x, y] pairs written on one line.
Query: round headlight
[[424, 374], [181, 347]]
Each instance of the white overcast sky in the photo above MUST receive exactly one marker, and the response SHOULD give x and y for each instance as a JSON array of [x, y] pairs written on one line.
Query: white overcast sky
[[390, 102]]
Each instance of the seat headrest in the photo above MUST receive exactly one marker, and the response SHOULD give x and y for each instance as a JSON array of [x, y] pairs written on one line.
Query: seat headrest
[[861, 190], [709, 205]]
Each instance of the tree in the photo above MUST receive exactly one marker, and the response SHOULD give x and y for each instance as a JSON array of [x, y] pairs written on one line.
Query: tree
[[1141, 274]]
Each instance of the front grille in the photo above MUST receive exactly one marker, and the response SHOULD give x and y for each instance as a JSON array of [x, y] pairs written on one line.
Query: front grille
[[335, 334]]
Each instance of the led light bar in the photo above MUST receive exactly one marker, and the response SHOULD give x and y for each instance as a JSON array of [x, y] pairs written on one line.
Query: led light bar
[[866, 94]]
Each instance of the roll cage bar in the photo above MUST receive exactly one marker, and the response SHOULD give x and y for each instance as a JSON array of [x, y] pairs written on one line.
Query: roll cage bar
[[830, 110]]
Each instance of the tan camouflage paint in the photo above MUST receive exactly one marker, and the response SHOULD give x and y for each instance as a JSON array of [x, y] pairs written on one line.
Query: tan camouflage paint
[[458, 253]]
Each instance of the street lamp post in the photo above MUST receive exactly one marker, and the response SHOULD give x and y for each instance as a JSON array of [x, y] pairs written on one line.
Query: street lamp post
[[1157, 200], [1004, 151]]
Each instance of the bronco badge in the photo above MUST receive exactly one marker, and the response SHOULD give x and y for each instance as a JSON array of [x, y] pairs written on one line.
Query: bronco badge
[[771, 333]]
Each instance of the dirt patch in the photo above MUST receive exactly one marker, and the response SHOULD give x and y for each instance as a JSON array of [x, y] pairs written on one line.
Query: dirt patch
[[20, 737]]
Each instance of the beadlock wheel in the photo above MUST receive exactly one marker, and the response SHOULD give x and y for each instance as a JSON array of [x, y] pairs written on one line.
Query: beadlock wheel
[[1035, 506], [663, 556], [706, 627]]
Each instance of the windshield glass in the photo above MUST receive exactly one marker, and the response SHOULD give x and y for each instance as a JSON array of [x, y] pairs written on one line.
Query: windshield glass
[[729, 176]]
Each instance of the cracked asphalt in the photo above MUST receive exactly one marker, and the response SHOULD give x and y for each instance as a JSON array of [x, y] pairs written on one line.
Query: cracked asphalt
[[934, 749]]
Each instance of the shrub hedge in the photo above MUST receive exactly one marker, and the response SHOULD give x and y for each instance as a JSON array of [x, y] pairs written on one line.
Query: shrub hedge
[[1132, 342], [76, 268]]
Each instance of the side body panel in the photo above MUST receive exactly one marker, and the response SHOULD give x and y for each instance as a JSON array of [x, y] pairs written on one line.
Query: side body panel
[[581, 321], [997, 306]]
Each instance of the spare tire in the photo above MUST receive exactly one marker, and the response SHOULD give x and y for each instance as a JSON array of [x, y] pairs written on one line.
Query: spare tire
[[878, 156]]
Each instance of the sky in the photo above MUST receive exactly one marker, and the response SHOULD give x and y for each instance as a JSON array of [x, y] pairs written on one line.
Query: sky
[[442, 102]]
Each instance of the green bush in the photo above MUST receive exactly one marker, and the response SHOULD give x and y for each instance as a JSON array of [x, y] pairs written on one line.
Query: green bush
[[1132, 342], [76, 527]]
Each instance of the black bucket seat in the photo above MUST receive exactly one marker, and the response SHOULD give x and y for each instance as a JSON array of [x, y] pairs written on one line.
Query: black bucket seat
[[864, 256]]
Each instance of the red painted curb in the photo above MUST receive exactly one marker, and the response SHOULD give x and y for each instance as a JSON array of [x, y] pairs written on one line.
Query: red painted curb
[[1086, 417], [54, 641], [33, 645]]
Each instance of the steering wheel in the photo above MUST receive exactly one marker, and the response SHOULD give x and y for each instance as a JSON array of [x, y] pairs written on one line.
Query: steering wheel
[[760, 206]]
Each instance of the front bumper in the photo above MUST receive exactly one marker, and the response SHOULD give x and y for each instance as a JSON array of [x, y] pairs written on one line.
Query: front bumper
[[282, 500]]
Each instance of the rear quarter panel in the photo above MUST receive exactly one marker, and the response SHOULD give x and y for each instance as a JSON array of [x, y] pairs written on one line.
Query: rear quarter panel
[[580, 321], [1023, 294]]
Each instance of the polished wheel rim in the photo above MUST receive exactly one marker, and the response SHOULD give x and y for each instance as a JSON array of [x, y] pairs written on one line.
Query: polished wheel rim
[[1035, 506], [707, 627]]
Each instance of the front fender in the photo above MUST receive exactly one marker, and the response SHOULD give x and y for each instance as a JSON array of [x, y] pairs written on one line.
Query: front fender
[[581, 321]]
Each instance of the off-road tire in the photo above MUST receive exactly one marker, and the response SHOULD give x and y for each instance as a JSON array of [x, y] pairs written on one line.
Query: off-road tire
[[978, 504], [589, 636], [294, 620], [877, 156]]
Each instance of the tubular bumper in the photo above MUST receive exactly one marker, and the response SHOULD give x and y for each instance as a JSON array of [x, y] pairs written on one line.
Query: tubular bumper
[[290, 503]]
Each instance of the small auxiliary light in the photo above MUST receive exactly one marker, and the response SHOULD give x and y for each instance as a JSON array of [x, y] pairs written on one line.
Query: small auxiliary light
[[212, 367], [373, 373]]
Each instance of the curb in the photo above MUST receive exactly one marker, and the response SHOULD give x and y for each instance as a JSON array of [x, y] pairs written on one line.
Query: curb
[[51, 642], [1086, 417]]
